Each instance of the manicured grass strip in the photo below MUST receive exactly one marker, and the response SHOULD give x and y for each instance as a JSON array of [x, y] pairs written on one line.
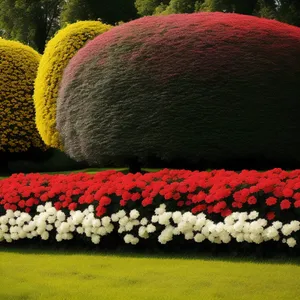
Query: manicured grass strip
[[99, 276]]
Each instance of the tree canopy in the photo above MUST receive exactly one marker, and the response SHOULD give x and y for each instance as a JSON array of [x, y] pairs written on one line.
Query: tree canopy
[[32, 22], [109, 11]]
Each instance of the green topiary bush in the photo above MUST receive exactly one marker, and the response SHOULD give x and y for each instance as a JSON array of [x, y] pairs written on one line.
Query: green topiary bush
[[191, 90]]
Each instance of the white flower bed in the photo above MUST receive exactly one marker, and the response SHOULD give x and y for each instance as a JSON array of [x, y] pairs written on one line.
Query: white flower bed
[[242, 227]]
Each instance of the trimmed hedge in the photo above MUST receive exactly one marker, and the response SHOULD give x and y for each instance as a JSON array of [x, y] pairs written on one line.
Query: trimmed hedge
[[18, 68], [175, 207], [57, 54], [192, 90]]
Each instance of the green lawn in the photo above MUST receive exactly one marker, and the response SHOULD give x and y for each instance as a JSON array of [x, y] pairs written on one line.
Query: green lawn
[[91, 171], [57, 275]]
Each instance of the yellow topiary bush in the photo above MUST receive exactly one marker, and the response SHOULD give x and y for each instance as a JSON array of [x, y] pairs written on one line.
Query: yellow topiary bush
[[18, 68], [58, 53]]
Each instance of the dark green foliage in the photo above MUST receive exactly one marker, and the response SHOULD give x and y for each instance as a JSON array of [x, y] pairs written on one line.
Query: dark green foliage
[[194, 91], [32, 22], [109, 11]]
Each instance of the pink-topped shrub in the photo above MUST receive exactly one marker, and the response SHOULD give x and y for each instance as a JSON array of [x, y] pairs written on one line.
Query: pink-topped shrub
[[197, 90]]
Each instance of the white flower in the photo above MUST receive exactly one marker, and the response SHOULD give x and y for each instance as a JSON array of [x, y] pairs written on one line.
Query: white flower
[[295, 225], [220, 227], [240, 237], [58, 237], [64, 227], [60, 216], [164, 219], [160, 210], [40, 208], [286, 230], [199, 238], [121, 229], [243, 217], [14, 236], [129, 226], [95, 239], [78, 217], [9, 213], [22, 234], [189, 235], [96, 223], [144, 221], [154, 219], [225, 237], [185, 227], [134, 241], [291, 242], [123, 221], [142, 230], [134, 214], [102, 231], [29, 235], [51, 219], [45, 235], [151, 228], [12, 221], [114, 217], [128, 238], [109, 228], [177, 217], [277, 224], [79, 230], [253, 215], [48, 205], [238, 226], [121, 213], [51, 211], [4, 228], [91, 208], [57, 223], [199, 224], [105, 221], [271, 232], [4, 219], [229, 220], [17, 213], [49, 227]]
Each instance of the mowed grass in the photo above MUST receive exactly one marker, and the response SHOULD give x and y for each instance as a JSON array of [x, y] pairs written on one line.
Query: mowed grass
[[38, 275]]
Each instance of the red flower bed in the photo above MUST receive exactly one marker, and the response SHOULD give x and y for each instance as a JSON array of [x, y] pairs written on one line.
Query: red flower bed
[[275, 194]]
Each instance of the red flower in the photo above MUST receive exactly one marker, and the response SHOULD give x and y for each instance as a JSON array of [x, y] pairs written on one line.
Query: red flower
[[297, 204], [180, 203], [226, 212], [252, 200], [287, 193], [100, 211], [105, 201], [147, 201], [176, 196], [271, 201], [285, 204], [72, 206], [270, 215], [57, 205], [21, 204]]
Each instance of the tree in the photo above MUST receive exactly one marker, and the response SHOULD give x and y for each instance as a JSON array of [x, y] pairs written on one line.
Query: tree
[[32, 22], [288, 11], [109, 11]]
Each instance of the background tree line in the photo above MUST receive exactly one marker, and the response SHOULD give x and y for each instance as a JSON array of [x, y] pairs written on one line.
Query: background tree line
[[34, 22]]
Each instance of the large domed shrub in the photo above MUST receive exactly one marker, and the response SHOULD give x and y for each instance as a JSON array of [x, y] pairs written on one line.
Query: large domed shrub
[[57, 54], [18, 67], [207, 89]]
